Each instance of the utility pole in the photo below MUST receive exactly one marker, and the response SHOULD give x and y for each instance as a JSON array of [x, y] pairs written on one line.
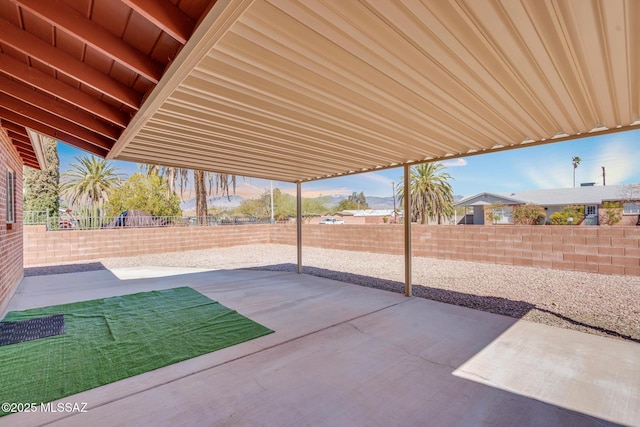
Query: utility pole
[[272, 221], [393, 193], [604, 180]]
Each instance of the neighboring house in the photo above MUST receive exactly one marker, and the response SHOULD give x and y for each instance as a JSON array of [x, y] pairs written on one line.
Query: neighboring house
[[369, 216], [591, 198]]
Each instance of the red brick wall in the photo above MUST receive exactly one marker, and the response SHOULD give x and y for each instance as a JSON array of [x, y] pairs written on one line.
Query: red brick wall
[[609, 250], [10, 235], [69, 246]]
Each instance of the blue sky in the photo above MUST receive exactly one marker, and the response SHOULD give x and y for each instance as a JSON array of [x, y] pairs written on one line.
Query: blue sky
[[544, 166]]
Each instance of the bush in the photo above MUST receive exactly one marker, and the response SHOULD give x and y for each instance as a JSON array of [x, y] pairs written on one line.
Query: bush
[[562, 217], [528, 215], [612, 213]]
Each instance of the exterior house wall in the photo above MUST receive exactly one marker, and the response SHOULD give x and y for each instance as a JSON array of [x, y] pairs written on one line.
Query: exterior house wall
[[11, 244], [607, 250]]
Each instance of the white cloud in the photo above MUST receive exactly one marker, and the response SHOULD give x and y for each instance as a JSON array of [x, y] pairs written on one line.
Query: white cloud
[[453, 163]]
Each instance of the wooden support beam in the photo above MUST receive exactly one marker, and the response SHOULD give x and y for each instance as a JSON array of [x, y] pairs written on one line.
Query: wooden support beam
[[24, 153], [32, 46], [69, 20], [58, 108], [70, 128], [17, 137], [14, 128], [50, 131], [30, 76], [166, 16]]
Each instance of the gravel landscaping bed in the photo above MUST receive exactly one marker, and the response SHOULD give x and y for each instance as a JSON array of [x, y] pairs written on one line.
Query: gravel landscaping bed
[[599, 304]]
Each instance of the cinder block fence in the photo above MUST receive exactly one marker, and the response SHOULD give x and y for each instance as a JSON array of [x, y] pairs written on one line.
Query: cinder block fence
[[607, 250]]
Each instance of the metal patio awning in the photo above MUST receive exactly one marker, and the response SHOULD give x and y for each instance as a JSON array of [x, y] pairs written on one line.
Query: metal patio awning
[[301, 90], [297, 91]]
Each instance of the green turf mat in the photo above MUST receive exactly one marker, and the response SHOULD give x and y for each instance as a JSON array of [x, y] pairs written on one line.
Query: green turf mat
[[109, 339]]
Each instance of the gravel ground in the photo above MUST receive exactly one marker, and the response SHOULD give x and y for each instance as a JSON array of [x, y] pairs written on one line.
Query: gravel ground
[[593, 303]]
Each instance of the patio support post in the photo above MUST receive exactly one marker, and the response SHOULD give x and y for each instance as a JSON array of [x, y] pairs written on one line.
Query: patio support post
[[299, 223], [407, 230]]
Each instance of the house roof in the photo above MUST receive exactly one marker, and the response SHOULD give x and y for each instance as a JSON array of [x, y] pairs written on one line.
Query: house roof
[[589, 195], [301, 91]]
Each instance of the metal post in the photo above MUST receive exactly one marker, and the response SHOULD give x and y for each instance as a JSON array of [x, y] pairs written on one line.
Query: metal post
[[299, 223], [272, 219], [407, 230]]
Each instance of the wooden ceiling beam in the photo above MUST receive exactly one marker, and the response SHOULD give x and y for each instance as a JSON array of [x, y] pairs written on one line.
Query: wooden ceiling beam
[[28, 152], [51, 131], [49, 119], [58, 108], [20, 130], [166, 16], [33, 77], [18, 137], [31, 45], [69, 20]]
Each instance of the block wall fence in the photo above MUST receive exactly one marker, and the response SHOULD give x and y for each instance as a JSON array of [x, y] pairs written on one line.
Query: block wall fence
[[11, 248], [607, 250]]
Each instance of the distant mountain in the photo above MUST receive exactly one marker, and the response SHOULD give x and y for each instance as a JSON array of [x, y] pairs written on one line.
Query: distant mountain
[[220, 202]]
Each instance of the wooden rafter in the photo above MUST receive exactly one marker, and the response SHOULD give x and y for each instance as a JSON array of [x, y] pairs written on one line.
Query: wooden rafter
[[20, 138], [9, 126], [33, 77], [68, 65], [49, 119], [57, 108], [166, 16], [50, 131], [69, 20]]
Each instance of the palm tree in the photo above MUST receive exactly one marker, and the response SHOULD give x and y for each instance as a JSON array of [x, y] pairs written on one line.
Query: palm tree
[[431, 193], [89, 182], [576, 161], [204, 183]]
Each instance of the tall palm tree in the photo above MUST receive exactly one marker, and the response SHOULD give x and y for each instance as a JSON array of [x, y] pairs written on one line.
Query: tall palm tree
[[204, 183], [575, 161], [89, 182], [431, 193]]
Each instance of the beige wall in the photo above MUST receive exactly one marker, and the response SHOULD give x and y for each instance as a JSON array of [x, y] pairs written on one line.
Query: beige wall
[[11, 249], [608, 250]]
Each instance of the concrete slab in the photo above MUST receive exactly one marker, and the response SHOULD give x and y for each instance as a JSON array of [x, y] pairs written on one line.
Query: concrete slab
[[348, 355]]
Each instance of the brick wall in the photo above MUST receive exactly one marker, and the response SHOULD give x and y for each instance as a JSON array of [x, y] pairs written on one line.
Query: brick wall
[[69, 246], [10, 235], [608, 250]]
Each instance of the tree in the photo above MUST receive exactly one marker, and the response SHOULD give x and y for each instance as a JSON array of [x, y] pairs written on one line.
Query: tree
[[612, 213], [89, 183], [431, 194], [495, 212], [144, 192], [575, 161], [203, 182], [41, 187], [354, 201]]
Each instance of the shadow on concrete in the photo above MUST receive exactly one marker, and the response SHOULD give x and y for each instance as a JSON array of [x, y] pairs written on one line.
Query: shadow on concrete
[[62, 269], [490, 304]]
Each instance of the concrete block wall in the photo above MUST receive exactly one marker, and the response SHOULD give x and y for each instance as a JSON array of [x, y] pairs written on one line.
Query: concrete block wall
[[607, 250], [71, 246], [11, 248]]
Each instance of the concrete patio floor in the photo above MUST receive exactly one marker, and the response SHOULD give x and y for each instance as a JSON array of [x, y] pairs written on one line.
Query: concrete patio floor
[[349, 355]]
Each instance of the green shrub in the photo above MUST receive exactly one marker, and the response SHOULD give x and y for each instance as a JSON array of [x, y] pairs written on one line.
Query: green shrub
[[562, 217], [612, 213], [528, 215]]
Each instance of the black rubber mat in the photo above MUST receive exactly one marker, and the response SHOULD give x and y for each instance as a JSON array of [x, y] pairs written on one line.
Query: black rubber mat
[[31, 329]]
